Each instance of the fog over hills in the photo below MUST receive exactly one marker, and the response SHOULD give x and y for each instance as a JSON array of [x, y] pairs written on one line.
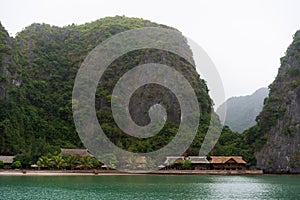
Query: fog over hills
[[242, 111]]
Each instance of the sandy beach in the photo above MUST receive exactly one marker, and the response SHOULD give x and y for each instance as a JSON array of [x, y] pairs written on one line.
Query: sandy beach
[[58, 173]]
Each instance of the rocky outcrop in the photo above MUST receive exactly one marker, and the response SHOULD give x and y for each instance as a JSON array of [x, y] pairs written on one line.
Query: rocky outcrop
[[10, 60], [4, 60], [279, 121]]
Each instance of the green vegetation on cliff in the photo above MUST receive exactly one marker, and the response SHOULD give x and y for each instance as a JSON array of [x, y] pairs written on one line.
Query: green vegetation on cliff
[[279, 122], [37, 72], [273, 143]]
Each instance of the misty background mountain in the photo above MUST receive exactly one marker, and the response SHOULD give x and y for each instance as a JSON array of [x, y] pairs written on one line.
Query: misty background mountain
[[242, 110]]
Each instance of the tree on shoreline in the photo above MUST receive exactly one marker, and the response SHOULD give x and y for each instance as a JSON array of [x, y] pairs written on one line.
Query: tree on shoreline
[[71, 161], [86, 162], [58, 162], [44, 162]]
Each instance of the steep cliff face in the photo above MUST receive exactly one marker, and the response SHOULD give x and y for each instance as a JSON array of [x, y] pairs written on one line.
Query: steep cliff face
[[11, 60], [279, 122], [5, 54], [38, 68]]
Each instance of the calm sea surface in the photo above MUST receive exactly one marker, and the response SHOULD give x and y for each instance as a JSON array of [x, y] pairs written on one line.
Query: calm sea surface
[[150, 187]]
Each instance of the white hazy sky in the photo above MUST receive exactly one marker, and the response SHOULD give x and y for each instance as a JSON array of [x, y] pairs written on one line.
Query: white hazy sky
[[245, 39]]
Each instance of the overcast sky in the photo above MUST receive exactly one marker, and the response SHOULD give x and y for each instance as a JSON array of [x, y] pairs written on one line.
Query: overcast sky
[[245, 39]]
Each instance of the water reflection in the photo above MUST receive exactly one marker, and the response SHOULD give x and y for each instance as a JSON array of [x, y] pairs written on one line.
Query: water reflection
[[151, 187], [238, 187]]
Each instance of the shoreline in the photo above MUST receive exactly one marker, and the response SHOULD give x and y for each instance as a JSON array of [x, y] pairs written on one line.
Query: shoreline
[[124, 173], [138, 173]]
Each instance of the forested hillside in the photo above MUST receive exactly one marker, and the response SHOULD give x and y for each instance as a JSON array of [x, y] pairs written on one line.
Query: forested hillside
[[38, 68], [37, 72]]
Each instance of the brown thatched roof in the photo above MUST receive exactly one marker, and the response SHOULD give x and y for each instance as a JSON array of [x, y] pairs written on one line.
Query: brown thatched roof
[[75, 152], [198, 159], [225, 159], [7, 159]]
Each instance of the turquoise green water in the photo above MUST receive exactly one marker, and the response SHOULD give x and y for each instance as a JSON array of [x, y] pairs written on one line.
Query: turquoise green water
[[151, 187]]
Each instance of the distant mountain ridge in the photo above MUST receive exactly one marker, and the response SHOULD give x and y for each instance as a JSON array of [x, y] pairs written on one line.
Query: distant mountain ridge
[[242, 111]]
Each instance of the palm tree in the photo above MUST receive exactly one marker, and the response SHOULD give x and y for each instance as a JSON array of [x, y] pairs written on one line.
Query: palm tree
[[96, 163], [150, 163], [58, 162], [113, 162], [110, 160], [86, 162], [44, 162], [131, 162], [72, 161]]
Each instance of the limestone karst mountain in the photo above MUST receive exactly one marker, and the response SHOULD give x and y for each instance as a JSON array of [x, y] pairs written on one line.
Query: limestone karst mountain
[[37, 71], [241, 111], [279, 122]]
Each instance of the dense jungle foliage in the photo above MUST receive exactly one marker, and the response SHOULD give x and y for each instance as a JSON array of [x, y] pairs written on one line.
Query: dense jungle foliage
[[37, 71]]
